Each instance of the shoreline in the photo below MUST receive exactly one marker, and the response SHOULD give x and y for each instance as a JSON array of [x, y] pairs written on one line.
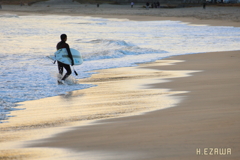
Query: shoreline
[[132, 136], [206, 118], [215, 16]]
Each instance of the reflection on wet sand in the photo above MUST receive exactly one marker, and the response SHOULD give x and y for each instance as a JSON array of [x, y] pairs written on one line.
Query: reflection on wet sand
[[119, 92]]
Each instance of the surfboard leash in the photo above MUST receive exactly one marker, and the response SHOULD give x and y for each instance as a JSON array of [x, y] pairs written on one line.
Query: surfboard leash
[[75, 71]]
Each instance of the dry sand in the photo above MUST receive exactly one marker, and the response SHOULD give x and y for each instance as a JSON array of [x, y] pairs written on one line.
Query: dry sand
[[213, 15], [208, 117]]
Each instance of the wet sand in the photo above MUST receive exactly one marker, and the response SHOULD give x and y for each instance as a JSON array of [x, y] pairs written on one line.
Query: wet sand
[[208, 117], [202, 110]]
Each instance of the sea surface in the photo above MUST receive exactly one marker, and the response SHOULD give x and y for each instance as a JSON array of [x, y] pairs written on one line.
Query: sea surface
[[28, 74]]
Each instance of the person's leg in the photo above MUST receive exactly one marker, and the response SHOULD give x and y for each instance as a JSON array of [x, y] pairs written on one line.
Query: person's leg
[[60, 67], [69, 71], [60, 71]]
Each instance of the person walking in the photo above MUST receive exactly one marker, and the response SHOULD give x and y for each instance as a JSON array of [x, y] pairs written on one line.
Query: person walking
[[158, 4], [132, 3], [147, 5], [204, 4], [60, 45]]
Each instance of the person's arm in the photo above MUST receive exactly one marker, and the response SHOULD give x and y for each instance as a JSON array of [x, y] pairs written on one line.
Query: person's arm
[[69, 53]]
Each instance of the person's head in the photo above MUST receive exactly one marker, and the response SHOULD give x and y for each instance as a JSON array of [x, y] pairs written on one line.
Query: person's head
[[63, 37]]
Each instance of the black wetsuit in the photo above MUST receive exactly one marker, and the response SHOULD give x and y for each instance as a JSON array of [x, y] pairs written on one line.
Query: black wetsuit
[[63, 44]]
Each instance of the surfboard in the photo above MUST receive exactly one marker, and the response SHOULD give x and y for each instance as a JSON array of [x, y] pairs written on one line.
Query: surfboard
[[61, 55]]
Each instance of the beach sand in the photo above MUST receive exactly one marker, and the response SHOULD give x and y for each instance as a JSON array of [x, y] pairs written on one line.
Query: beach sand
[[212, 15], [204, 117], [207, 118]]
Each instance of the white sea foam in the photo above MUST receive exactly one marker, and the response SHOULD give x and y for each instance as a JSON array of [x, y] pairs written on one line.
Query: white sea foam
[[3, 116], [5, 107], [9, 16], [26, 41]]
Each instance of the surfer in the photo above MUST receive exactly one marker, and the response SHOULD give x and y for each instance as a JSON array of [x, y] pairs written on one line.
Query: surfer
[[60, 45]]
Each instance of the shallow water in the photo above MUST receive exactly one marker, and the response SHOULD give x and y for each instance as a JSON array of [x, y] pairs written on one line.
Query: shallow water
[[26, 41]]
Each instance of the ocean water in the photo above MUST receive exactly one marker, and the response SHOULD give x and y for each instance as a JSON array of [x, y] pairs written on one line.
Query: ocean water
[[26, 41]]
